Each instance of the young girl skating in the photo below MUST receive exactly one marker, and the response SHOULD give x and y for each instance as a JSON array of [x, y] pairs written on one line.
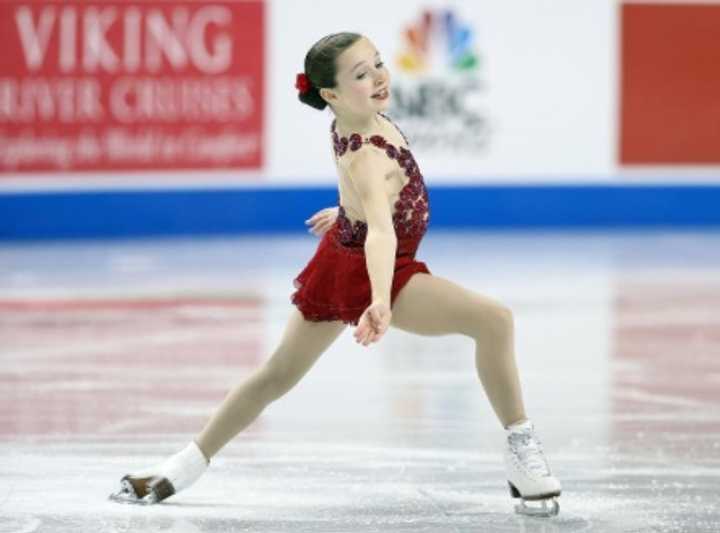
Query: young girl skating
[[364, 273]]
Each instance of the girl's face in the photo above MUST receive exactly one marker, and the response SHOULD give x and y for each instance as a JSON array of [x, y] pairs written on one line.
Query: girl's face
[[363, 82]]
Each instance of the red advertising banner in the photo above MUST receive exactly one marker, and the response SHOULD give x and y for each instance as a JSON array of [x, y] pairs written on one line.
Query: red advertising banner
[[670, 88], [131, 86]]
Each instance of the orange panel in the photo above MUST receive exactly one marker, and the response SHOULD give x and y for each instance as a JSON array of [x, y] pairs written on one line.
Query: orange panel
[[670, 84]]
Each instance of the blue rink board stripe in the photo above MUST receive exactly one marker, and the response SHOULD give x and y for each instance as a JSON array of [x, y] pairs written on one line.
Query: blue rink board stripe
[[134, 213]]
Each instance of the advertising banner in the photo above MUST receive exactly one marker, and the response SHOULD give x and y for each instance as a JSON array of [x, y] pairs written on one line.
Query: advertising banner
[[670, 91], [110, 86], [485, 91], [201, 93]]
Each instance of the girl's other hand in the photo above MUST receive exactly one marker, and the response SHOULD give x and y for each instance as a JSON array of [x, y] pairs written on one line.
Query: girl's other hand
[[321, 221]]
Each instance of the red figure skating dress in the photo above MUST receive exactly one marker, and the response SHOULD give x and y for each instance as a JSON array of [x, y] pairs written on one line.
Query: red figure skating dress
[[335, 284]]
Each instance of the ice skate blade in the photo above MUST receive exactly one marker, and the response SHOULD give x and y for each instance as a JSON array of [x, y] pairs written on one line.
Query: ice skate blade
[[544, 511], [123, 497], [158, 489], [127, 494]]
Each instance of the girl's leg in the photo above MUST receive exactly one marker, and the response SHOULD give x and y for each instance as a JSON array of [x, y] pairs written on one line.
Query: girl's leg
[[429, 305], [301, 345]]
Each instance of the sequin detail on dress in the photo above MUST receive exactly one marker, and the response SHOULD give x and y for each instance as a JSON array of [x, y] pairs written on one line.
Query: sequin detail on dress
[[411, 211]]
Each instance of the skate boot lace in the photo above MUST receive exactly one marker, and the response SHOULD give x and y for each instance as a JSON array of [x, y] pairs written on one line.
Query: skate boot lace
[[528, 449]]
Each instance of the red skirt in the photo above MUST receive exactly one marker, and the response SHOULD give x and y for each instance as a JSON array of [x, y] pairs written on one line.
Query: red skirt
[[335, 284]]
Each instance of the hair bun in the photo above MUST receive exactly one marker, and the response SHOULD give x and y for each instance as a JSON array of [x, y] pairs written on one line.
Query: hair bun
[[312, 98]]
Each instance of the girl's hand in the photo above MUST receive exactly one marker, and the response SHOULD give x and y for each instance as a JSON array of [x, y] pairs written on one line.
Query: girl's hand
[[373, 323], [321, 221]]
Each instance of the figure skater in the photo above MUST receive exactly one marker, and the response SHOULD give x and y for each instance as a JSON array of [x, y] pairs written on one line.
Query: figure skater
[[364, 273]]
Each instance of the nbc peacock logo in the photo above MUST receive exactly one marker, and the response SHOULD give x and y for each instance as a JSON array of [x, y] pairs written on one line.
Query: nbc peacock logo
[[438, 39], [439, 91]]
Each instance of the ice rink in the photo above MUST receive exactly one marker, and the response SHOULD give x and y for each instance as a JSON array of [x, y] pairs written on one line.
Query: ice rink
[[113, 354]]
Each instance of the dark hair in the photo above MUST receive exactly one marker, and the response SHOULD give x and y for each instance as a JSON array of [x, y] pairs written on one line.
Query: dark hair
[[320, 65]]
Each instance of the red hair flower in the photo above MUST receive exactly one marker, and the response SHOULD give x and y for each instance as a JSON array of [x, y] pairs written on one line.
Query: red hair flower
[[302, 83]]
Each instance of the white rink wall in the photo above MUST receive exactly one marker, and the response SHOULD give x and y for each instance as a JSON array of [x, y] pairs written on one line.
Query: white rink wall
[[520, 113]]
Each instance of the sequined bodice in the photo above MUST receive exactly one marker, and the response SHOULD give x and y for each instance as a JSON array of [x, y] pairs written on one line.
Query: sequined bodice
[[411, 210]]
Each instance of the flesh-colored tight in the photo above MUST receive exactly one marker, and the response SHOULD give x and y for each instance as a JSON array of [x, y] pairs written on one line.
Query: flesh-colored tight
[[427, 305]]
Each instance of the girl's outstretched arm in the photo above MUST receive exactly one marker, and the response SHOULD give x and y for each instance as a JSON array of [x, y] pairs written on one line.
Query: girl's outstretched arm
[[367, 173]]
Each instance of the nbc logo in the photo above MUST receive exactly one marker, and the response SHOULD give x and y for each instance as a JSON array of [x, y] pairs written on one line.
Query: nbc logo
[[438, 40], [440, 94]]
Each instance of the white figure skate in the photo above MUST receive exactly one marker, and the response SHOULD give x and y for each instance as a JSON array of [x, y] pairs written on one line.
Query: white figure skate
[[161, 481], [528, 473]]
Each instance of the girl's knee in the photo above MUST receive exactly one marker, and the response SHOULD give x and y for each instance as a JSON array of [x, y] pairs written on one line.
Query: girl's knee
[[505, 317], [495, 319]]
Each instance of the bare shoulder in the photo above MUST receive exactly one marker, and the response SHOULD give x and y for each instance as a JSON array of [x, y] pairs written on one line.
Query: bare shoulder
[[367, 168]]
